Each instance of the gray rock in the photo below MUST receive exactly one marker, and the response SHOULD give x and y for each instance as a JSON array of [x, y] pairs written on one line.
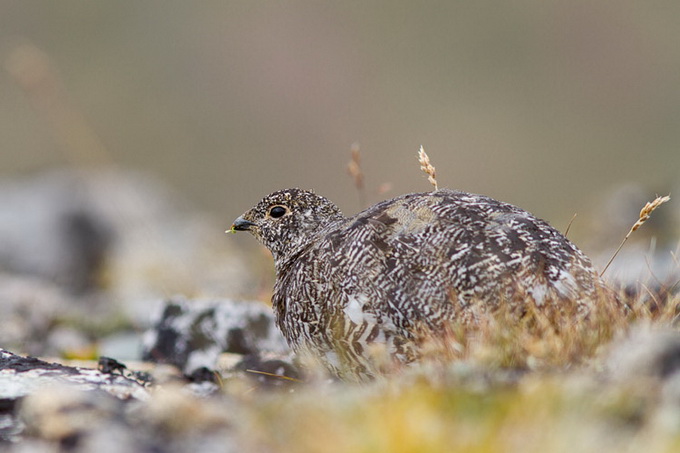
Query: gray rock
[[21, 376], [69, 418], [37, 386], [645, 352], [82, 253], [71, 227], [191, 334], [28, 308], [50, 230]]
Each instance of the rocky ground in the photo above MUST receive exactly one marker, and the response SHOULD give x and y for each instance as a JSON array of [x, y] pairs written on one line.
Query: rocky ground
[[154, 335]]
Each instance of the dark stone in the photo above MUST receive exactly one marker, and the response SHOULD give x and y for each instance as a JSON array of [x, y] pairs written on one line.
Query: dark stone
[[191, 334]]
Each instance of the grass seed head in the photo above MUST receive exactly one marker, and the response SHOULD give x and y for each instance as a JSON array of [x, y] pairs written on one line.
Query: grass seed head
[[427, 167], [647, 210]]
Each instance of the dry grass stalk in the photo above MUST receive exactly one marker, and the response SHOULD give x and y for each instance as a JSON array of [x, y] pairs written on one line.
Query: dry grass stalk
[[427, 167], [33, 71], [566, 232], [556, 335], [279, 376], [355, 171], [644, 216]]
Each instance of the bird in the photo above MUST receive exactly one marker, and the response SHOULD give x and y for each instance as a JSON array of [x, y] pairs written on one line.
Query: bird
[[411, 264]]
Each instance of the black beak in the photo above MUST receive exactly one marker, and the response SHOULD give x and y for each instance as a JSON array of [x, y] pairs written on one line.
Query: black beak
[[241, 224]]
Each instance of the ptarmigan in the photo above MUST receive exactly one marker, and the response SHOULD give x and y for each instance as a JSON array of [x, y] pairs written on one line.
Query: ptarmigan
[[412, 264]]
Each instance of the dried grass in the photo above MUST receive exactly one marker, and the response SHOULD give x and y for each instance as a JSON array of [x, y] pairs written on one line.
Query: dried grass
[[33, 71], [645, 213], [357, 174], [507, 385], [566, 232], [427, 167]]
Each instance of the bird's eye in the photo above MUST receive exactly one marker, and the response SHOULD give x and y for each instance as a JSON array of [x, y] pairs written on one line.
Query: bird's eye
[[277, 211]]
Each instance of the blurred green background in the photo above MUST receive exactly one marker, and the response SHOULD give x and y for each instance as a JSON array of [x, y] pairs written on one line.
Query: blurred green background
[[545, 104]]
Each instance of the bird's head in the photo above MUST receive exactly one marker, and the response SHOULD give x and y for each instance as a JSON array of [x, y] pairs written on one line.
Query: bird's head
[[286, 220]]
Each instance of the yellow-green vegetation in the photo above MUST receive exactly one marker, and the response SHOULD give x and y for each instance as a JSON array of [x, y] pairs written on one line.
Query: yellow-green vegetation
[[529, 386], [537, 415]]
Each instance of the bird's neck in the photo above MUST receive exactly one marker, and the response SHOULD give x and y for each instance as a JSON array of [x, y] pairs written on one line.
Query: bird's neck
[[297, 247]]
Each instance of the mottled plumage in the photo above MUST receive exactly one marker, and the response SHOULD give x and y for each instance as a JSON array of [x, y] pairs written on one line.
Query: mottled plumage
[[403, 266]]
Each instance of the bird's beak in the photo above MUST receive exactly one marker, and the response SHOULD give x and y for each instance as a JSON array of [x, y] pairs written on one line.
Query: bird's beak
[[241, 224]]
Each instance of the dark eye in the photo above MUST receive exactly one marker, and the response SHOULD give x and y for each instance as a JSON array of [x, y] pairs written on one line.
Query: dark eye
[[277, 211]]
